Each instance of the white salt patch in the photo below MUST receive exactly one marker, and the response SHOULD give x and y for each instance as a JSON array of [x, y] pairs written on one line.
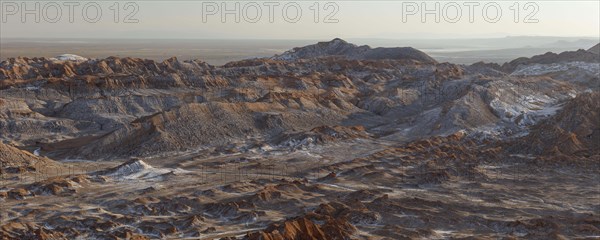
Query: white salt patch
[[69, 57]]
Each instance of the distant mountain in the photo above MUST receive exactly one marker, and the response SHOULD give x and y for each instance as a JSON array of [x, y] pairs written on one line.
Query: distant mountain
[[549, 57], [569, 43], [595, 49], [546, 58], [339, 47]]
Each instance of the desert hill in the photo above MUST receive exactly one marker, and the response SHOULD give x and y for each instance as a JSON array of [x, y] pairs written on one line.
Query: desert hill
[[341, 48]]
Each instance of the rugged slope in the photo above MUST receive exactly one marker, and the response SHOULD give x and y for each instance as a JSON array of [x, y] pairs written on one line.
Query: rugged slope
[[16, 160], [199, 125], [595, 49], [573, 131]]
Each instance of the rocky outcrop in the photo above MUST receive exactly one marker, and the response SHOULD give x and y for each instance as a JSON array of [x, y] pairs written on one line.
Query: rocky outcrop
[[327, 223], [28, 230], [14, 160], [321, 135]]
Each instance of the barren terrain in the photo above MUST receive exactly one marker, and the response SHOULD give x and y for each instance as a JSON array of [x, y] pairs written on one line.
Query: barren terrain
[[326, 141]]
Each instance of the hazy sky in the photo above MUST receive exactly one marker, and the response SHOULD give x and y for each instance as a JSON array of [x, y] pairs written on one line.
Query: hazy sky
[[355, 19]]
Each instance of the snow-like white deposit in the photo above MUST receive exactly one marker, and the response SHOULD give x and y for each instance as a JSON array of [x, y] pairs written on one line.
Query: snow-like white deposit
[[138, 170], [69, 57], [37, 152], [299, 143], [527, 111], [541, 69]]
